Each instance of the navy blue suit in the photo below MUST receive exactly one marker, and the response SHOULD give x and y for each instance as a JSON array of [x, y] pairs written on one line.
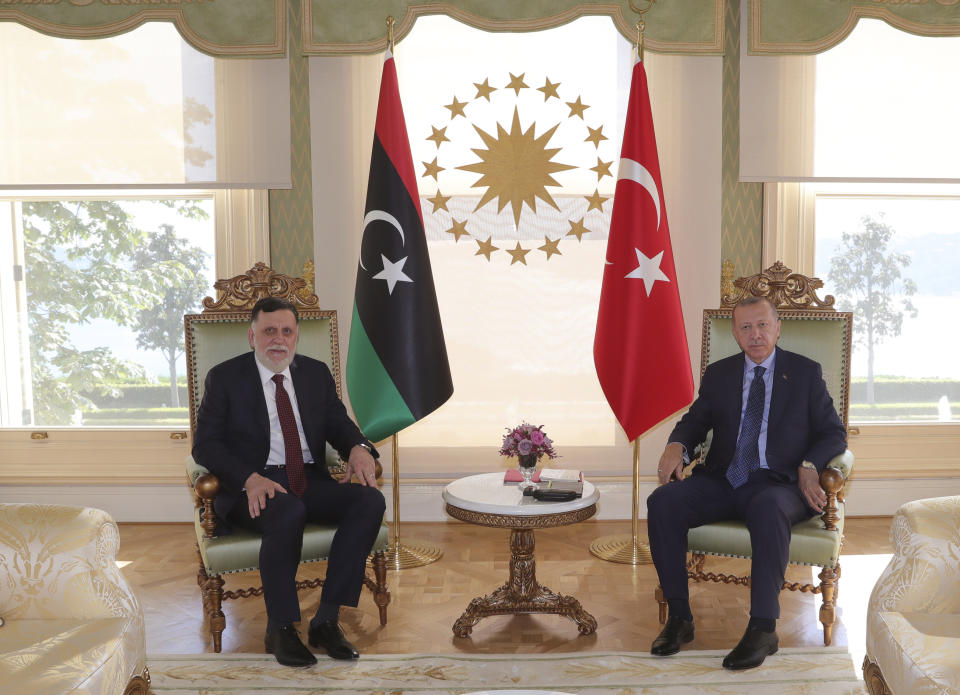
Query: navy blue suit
[[803, 425], [232, 440]]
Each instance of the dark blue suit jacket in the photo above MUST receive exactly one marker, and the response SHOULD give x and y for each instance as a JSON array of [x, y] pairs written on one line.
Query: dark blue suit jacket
[[803, 424], [233, 429]]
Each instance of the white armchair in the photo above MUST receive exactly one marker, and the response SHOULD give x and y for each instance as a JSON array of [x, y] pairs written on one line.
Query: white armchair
[[913, 619], [71, 622]]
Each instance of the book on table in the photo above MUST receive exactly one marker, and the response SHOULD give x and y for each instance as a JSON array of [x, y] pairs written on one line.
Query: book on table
[[512, 475]]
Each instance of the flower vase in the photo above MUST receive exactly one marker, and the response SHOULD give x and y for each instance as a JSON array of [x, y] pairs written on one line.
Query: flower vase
[[527, 465]]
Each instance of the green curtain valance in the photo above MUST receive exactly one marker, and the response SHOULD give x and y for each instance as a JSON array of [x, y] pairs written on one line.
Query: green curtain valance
[[258, 27], [217, 27], [813, 26], [333, 27]]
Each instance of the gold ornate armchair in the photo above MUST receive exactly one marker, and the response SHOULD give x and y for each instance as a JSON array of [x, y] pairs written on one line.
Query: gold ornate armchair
[[217, 334], [71, 622], [811, 327]]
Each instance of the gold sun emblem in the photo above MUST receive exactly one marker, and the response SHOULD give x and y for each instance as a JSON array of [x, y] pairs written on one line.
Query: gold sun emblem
[[516, 167]]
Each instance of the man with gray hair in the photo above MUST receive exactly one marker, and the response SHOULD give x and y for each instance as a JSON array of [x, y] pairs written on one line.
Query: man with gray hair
[[774, 430], [262, 429]]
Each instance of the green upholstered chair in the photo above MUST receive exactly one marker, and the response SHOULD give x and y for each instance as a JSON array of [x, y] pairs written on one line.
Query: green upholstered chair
[[217, 334], [811, 327]]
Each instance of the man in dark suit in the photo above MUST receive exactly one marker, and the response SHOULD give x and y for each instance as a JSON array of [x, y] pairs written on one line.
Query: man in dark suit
[[774, 430], [262, 429]]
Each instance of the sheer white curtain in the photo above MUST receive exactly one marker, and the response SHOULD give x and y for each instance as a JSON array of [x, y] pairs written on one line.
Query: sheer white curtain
[[141, 110]]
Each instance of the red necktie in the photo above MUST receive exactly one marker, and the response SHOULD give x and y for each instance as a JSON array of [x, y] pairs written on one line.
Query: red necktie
[[291, 439]]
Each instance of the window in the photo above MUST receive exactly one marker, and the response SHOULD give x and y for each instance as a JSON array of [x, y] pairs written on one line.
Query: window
[[173, 151], [884, 251], [876, 218], [92, 331]]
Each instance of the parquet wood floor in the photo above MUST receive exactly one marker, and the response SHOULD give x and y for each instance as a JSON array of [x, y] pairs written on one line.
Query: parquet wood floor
[[161, 565]]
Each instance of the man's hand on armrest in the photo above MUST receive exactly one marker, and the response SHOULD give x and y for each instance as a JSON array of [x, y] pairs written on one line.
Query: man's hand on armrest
[[809, 481], [361, 465], [671, 463]]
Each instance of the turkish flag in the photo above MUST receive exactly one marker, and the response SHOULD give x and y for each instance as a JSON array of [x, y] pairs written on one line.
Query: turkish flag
[[640, 348]]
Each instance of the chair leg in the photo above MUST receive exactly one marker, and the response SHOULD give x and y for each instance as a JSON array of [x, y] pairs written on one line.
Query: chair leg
[[213, 592], [828, 591], [381, 595]]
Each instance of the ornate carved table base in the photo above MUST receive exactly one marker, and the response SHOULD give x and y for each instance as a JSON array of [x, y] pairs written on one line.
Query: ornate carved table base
[[522, 594]]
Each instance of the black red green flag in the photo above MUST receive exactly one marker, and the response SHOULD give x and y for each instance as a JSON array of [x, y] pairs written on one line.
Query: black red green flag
[[397, 368]]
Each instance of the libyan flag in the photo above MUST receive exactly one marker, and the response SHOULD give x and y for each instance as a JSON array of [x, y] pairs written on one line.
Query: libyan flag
[[397, 368]]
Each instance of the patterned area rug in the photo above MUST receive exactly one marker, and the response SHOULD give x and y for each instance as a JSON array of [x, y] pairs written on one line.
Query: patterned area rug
[[824, 671]]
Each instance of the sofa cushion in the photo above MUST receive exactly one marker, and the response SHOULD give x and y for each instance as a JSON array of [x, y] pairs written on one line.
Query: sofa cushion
[[75, 656], [918, 653]]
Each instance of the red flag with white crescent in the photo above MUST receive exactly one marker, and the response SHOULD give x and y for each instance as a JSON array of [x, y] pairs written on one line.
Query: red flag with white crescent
[[640, 348]]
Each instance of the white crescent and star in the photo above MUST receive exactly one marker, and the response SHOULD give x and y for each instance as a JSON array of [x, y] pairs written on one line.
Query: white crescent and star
[[648, 267], [392, 272]]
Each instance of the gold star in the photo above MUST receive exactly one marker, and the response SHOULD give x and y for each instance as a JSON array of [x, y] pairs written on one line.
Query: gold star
[[456, 108], [602, 169], [439, 135], [439, 201], [596, 135], [549, 89], [577, 108], [484, 89], [516, 83], [458, 230], [596, 201], [550, 247], [577, 229], [432, 169], [519, 254], [516, 167], [486, 248]]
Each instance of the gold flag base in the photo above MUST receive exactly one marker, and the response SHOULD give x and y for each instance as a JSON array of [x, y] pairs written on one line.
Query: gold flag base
[[621, 548], [408, 554]]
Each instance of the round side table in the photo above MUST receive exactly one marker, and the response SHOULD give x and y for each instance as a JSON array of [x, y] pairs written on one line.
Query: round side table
[[485, 500]]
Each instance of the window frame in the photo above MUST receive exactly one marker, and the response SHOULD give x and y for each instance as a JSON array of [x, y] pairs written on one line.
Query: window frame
[[135, 455]]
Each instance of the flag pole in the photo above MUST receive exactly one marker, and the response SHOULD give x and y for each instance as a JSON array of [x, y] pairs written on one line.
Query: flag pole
[[627, 550], [415, 553]]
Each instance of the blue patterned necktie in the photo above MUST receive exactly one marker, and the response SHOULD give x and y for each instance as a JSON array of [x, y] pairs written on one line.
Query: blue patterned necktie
[[746, 457]]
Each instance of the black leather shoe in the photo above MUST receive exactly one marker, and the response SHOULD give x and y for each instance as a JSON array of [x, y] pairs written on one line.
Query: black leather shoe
[[284, 643], [327, 634], [677, 631], [755, 646]]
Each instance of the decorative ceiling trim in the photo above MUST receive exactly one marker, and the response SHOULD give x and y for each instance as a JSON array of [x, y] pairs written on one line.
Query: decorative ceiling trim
[[824, 30], [67, 24], [712, 46]]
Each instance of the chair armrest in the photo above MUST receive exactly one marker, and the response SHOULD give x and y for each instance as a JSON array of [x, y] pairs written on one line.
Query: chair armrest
[[843, 463], [832, 480], [205, 487]]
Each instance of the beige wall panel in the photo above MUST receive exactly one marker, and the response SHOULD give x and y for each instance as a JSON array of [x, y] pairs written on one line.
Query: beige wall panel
[[115, 457], [906, 451]]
